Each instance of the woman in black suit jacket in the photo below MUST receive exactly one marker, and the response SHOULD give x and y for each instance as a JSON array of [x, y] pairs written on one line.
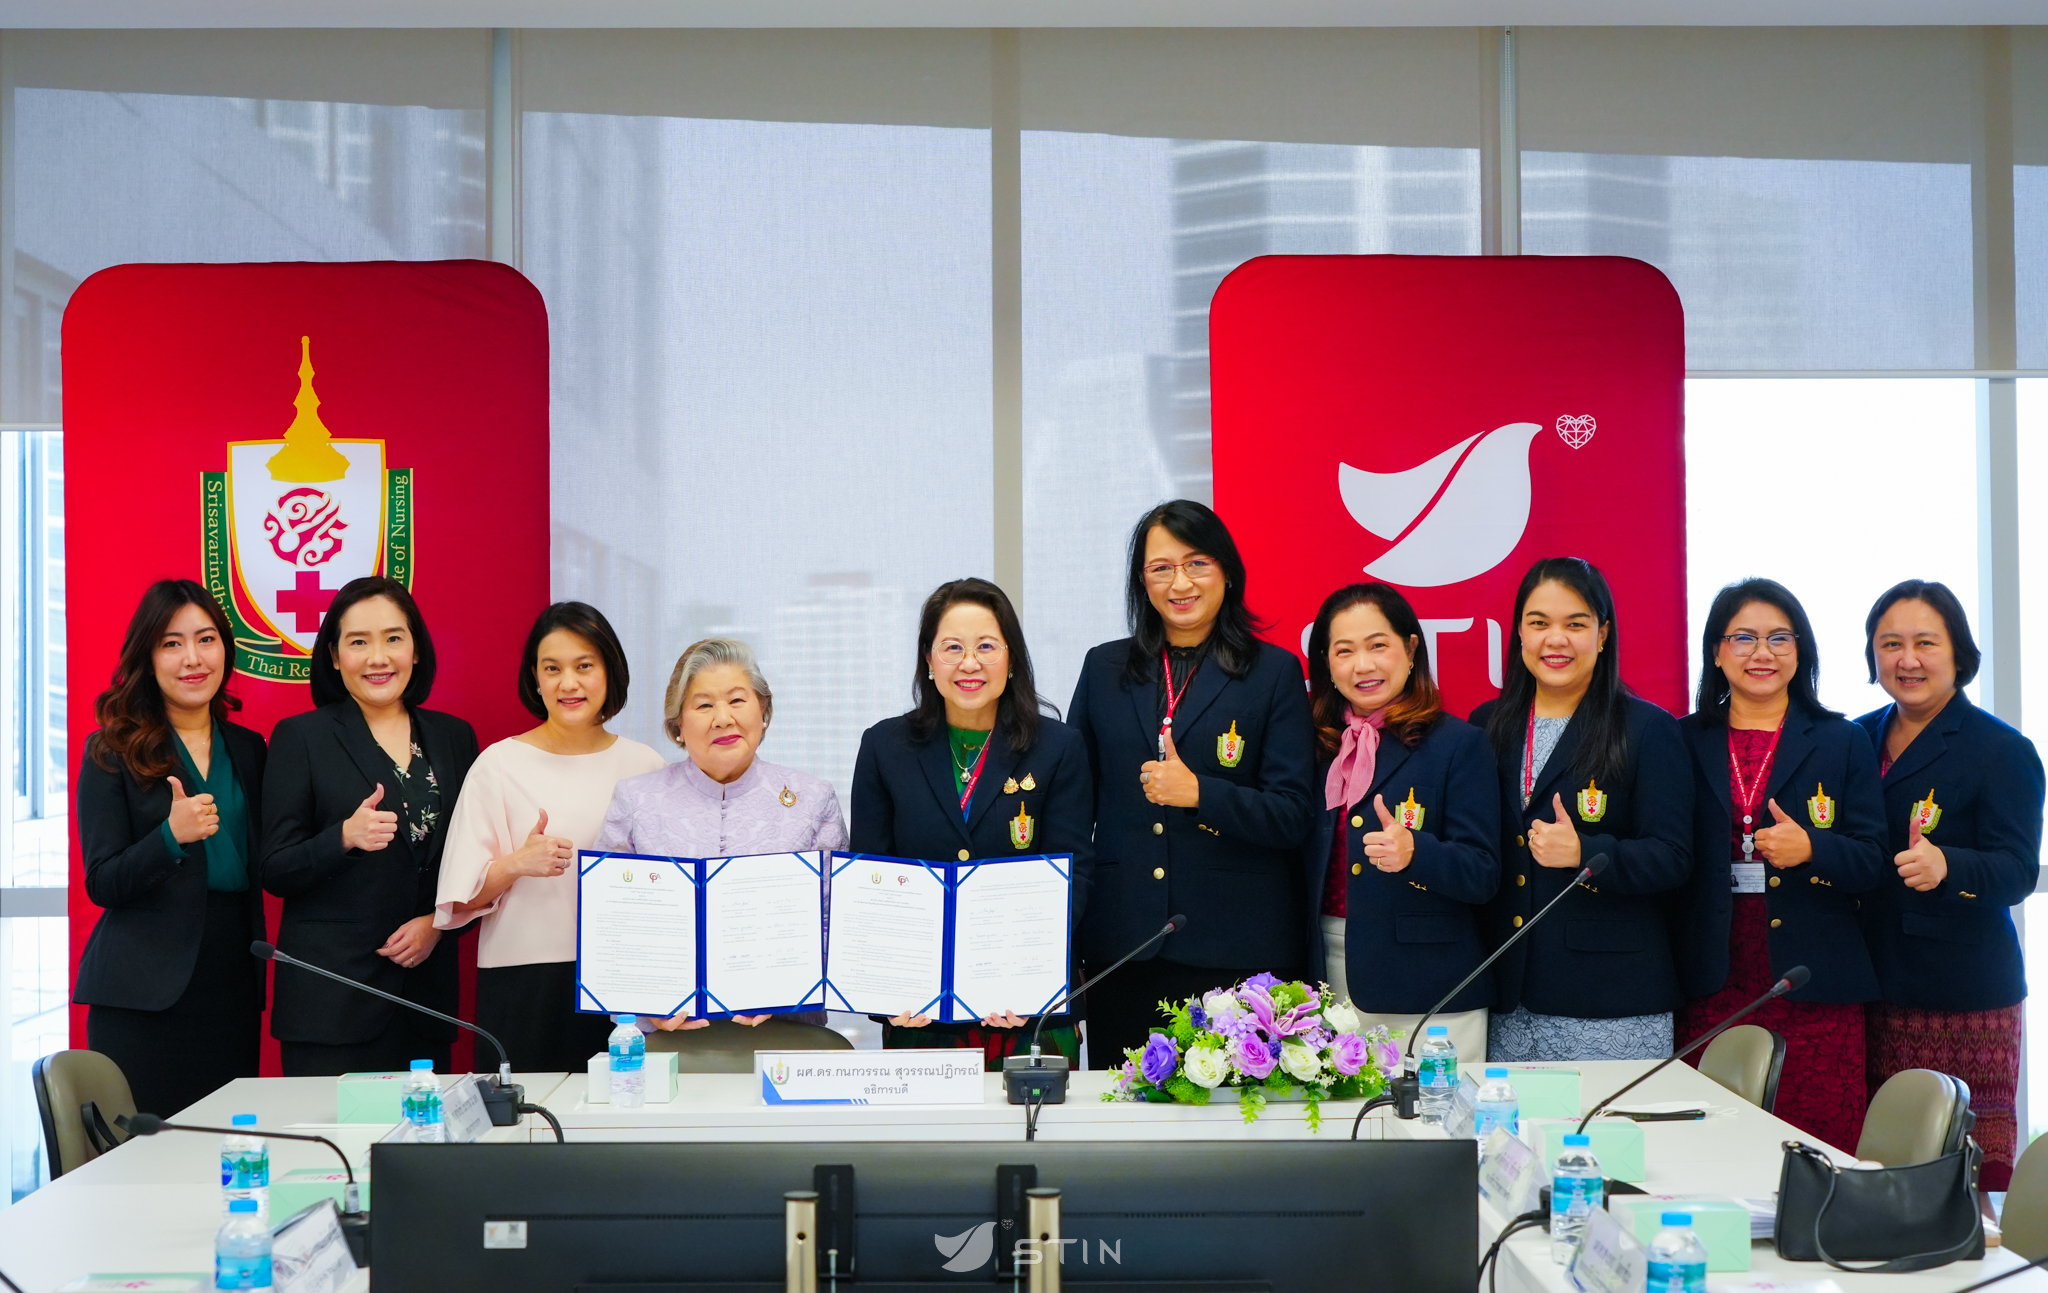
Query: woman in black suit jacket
[[1585, 768], [1202, 750], [1399, 890], [167, 801], [976, 739], [355, 810], [1786, 830], [1962, 811]]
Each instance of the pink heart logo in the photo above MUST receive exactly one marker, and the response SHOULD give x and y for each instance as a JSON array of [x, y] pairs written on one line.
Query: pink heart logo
[[1576, 430]]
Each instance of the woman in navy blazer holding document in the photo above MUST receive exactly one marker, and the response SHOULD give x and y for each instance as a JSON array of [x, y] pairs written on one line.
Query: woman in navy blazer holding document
[[1584, 768], [975, 771], [1786, 830], [1203, 753], [1962, 847], [1406, 852]]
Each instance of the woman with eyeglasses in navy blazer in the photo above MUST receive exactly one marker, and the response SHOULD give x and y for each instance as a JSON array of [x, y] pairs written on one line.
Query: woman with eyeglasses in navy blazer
[[1406, 852], [1787, 826], [1962, 847], [1584, 768], [1203, 753]]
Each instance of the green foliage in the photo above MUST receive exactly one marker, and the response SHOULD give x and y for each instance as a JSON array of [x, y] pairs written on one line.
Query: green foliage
[[1251, 1102], [1186, 1092], [1286, 996]]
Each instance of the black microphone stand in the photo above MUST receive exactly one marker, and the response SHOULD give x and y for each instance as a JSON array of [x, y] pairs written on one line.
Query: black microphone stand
[[503, 1098], [355, 1223], [1795, 979], [2036, 1264], [1404, 1091]]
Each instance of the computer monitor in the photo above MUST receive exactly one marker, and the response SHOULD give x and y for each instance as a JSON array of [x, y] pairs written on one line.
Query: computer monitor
[[1294, 1216]]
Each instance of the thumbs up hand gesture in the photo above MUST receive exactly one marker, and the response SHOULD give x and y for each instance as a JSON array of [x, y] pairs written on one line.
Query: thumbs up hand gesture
[[1168, 780], [1392, 847], [193, 817], [1922, 866], [369, 828], [542, 854], [1555, 843], [1784, 842]]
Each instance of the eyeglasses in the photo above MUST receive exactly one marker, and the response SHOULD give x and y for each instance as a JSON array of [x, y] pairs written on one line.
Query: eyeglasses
[[1744, 644], [952, 653], [1196, 568]]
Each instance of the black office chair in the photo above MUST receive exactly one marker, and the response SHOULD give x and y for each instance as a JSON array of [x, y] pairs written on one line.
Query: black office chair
[[79, 1095]]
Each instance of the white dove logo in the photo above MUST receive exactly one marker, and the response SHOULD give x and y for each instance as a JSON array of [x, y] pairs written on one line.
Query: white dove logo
[[970, 1249], [1455, 516]]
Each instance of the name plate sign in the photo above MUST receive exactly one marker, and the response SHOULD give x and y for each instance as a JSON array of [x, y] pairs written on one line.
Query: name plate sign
[[871, 1077]]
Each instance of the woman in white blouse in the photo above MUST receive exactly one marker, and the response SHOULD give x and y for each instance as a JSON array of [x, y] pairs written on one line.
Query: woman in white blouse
[[529, 804]]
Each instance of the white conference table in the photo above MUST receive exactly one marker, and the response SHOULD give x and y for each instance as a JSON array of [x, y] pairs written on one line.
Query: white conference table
[[152, 1205]]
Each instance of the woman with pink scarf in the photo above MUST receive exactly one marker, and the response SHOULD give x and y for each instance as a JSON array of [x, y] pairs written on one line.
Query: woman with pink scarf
[[1406, 853]]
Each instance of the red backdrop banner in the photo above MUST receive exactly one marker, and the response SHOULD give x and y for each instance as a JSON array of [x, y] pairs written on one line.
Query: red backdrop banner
[[274, 431], [1440, 423]]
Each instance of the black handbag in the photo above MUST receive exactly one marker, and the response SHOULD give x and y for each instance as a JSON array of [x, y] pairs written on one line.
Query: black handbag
[[1903, 1218]]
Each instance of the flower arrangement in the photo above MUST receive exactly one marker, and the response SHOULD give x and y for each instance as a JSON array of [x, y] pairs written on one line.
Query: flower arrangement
[[1265, 1038]]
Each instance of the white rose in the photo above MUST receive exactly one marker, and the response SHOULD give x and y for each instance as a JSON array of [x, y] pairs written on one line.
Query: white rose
[[1206, 1066], [1222, 1005], [1340, 1017], [1300, 1062]]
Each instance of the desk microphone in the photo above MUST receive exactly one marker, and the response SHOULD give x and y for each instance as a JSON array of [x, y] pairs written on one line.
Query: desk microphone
[[1405, 1091], [355, 1223], [1795, 979], [503, 1098], [1037, 1079]]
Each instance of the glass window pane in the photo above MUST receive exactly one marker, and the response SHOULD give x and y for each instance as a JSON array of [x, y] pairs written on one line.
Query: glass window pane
[[2033, 480], [771, 397], [34, 992], [2030, 251]]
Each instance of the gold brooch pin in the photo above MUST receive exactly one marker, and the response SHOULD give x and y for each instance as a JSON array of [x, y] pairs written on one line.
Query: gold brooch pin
[[1010, 786], [788, 797], [1029, 782]]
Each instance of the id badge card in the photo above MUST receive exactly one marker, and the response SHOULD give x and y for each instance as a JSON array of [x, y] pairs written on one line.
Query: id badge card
[[1747, 877]]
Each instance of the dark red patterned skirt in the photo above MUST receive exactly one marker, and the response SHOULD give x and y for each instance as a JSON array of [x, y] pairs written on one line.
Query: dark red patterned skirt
[[1982, 1047], [1822, 1091]]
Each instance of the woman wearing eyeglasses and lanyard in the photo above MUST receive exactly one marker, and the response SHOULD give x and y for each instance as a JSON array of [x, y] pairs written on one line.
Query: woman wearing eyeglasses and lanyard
[[975, 772], [1787, 820], [1204, 759]]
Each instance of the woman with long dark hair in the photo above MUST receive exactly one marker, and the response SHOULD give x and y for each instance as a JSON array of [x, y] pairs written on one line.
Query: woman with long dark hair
[[1203, 751], [1585, 768], [1406, 852], [355, 813], [168, 794], [975, 771], [1787, 821]]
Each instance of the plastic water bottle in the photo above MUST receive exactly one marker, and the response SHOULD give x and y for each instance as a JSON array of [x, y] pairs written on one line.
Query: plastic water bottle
[[1577, 1189], [241, 1250], [245, 1167], [423, 1104], [1498, 1106], [1437, 1070], [1678, 1260], [629, 1063]]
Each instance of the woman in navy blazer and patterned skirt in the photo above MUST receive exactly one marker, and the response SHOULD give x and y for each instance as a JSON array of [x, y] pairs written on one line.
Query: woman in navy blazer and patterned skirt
[[1787, 827], [1406, 852], [1585, 768], [1202, 749], [1962, 804]]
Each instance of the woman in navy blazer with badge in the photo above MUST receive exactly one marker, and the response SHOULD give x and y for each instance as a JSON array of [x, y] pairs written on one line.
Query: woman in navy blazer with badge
[[355, 811], [1203, 752], [1406, 852], [1962, 802], [1787, 826], [1584, 768], [975, 771]]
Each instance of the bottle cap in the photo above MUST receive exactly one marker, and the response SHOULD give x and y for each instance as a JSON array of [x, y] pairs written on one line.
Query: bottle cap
[[622, 1019], [242, 1205], [243, 1120], [423, 1066], [1678, 1218], [1439, 1030], [1576, 1142], [1496, 1072]]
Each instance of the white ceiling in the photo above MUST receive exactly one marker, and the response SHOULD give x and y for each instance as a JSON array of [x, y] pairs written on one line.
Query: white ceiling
[[1010, 13]]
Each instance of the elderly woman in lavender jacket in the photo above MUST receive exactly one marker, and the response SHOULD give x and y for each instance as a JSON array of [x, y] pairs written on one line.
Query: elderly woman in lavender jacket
[[721, 801]]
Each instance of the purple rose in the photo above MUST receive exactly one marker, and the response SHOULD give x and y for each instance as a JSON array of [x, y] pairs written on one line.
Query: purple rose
[[1160, 1059], [1389, 1056], [1262, 981], [1251, 1057], [1348, 1054]]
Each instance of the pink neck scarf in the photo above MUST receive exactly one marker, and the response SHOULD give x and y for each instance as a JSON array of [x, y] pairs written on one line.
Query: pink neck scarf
[[1351, 773]]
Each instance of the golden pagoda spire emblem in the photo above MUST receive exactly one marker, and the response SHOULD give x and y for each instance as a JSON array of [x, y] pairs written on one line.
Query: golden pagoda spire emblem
[[309, 455]]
